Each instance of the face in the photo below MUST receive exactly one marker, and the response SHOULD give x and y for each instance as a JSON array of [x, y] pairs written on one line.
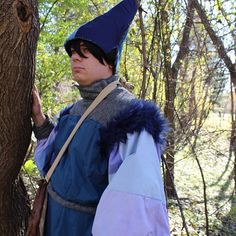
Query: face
[[87, 70]]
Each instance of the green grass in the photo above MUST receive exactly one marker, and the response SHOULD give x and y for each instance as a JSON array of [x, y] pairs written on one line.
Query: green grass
[[212, 149]]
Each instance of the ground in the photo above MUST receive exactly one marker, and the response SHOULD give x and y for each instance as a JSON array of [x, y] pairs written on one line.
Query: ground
[[212, 151]]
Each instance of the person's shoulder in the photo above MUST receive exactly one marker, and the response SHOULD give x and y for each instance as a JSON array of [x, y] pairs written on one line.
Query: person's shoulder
[[133, 114], [120, 96], [136, 116], [118, 100]]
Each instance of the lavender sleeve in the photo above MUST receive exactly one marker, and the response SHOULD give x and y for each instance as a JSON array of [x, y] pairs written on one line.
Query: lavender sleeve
[[134, 201], [44, 155], [45, 135]]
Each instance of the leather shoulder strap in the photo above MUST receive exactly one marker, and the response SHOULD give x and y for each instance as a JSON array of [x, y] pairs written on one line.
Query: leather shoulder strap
[[98, 99]]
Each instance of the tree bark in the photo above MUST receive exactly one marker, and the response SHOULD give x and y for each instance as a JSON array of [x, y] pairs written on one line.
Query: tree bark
[[171, 75], [144, 53], [19, 27]]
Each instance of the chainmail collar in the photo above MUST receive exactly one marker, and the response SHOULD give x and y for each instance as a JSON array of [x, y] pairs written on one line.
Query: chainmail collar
[[91, 92]]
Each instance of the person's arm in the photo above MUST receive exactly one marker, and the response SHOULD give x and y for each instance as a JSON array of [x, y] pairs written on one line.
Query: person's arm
[[42, 124], [134, 202], [37, 114], [43, 155], [43, 130]]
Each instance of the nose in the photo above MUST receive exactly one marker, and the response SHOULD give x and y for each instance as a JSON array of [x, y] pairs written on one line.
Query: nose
[[76, 57]]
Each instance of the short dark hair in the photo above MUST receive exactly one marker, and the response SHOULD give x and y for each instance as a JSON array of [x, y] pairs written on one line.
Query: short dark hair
[[110, 58]]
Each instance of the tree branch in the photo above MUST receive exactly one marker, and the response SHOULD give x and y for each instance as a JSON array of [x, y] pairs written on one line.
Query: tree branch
[[177, 197], [201, 172], [184, 49], [50, 9], [144, 51], [215, 39]]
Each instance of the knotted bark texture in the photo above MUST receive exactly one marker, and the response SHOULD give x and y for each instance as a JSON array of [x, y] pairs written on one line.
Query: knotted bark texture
[[19, 27]]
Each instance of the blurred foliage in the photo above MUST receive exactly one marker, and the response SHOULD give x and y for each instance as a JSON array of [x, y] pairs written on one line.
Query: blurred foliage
[[29, 168]]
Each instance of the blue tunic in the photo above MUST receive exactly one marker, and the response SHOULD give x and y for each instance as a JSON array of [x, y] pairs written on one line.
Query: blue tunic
[[81, 177]]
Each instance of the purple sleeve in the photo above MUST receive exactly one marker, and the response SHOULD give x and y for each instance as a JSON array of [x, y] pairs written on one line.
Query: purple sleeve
[[44, 153], [128, 214], [134, 202]]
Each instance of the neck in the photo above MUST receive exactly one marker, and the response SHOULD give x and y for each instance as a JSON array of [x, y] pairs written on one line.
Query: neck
[[91, 91]]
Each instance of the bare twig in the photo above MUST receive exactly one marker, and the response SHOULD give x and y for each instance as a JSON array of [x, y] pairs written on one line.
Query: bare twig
[[144, 51], [202, 176], [30, 179], [184, 49], [215, 39], [96, 6], [45, 19], [177, 197], [29, 151]]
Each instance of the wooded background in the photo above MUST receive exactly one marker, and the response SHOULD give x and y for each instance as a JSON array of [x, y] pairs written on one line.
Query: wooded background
[[179, 53]]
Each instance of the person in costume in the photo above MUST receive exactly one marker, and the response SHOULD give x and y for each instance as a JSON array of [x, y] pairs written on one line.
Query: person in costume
[[108, 182]]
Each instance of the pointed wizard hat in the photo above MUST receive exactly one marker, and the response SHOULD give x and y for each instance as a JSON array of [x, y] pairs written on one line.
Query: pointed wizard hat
[[109, 30]]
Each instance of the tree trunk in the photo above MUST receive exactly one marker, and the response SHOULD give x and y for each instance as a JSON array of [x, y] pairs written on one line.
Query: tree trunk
[[233, 125], [171, 75], [19, 25], [170, 94]]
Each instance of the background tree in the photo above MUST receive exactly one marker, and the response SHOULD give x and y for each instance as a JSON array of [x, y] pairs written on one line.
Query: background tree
[[18, 38], [224, 56]]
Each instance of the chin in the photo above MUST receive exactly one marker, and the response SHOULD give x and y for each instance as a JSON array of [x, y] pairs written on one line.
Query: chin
[[82, 82], [79, 80]]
